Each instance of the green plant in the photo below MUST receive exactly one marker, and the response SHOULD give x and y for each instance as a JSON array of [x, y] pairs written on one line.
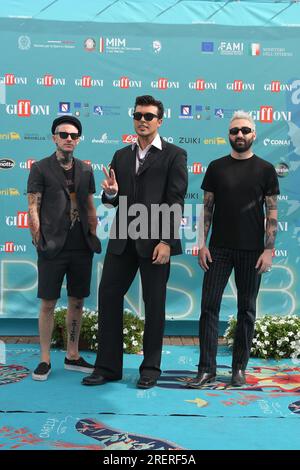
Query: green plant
[[274, 336], [133, 329]]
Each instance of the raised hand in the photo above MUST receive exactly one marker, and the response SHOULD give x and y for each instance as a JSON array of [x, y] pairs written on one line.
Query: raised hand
[[109, 184]]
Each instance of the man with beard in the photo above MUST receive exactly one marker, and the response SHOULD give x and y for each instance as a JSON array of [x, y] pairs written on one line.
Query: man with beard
[[236, 189], [145, 176], [63, 222]]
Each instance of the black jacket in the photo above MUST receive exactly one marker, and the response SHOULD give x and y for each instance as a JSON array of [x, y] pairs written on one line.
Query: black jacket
[[163, 179], [46, 177]]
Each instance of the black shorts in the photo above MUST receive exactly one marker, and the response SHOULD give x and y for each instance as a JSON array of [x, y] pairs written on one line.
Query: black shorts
[[75, 264]]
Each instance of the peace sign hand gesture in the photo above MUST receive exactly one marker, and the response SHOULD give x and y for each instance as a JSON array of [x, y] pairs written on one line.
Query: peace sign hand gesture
[[109, 184]]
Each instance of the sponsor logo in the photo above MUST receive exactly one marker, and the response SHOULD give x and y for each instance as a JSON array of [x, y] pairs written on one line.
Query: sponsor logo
[[239, 85], [164, 84], [90, 44], [6, 163], [28, 164], [129, 138], [202, 112], [221, 113], [10, 79], [10, 247], [125, 82], [37, 137], [276, 86], [64, 107], [231, 48], [255, 49], [24, 43], [20, 220], [156, 46], [193, 196], [214, 141], [197, 168], [201, 85], [276, 253], [272, 51], [104, 140], [194, 251], [104, 110], [10, 136], [169, 139], [283, 226], [276, 142], [186, 112], [86, 81], [50, 80], [189, 140], [116, 46], [207, 47], [95, 166], [9, 192], [282, 197], [282, 169], [267, 114], [24, 108]]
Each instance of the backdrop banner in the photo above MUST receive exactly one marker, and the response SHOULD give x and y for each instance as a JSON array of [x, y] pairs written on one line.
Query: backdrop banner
[[202, 73]]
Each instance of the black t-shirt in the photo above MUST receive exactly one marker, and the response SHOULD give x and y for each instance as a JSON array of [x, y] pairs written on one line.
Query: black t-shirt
[[75, 239], [239, 188]]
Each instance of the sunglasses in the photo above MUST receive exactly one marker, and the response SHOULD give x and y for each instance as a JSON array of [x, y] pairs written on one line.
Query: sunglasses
[[65, 135], [244, 130], [147, 116]]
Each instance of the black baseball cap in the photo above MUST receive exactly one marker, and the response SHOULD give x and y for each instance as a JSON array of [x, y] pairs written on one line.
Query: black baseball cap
[[66, 120]]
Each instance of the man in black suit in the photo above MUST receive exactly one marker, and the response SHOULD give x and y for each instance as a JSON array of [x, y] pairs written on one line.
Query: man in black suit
[[142, 178], [62, 221]]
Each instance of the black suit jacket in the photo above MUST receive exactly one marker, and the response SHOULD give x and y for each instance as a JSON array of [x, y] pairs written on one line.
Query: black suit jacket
[[162, 180], [46, 177]]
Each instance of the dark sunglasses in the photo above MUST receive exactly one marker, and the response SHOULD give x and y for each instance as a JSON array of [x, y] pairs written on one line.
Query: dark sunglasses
[[244, 130], [147, 116], [65, 135]]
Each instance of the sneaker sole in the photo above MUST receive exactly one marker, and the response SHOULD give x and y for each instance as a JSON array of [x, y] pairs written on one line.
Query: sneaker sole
[[40, 378], [78, 368]]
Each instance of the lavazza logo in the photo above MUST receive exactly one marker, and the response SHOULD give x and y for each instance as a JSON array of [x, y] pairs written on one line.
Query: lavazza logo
[[24, 108], [125, 82], [164, 84], [267, 114], [11, 247], [49, 80], [276, 86], [86, 81], [20, 220], [239, 85], [10, 79], [200, 85]]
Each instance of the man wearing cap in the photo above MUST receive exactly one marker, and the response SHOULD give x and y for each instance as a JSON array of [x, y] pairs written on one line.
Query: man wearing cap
[[62, 221]]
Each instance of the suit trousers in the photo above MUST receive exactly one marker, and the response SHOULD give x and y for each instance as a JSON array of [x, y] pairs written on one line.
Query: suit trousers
[[118, 274], [215, 279]]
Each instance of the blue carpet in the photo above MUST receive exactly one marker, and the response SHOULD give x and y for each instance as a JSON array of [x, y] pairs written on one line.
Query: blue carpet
[[62, 414]]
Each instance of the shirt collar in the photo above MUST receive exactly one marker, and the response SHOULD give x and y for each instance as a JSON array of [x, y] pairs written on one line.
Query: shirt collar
[[156, 142]]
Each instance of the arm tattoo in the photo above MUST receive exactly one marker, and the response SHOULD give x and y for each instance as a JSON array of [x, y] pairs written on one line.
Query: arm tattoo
[[34, 205], [271, 203], [271, 222], [209, 202], [271, 232]]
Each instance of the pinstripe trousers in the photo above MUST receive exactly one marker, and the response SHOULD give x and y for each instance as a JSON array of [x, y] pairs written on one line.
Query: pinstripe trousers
[[215, 279]]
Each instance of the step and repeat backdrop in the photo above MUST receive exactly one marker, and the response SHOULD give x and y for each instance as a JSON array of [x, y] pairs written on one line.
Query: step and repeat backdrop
[[202, 74]]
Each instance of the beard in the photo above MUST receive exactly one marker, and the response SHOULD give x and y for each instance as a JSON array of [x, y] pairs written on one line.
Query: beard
[[241, 145]]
